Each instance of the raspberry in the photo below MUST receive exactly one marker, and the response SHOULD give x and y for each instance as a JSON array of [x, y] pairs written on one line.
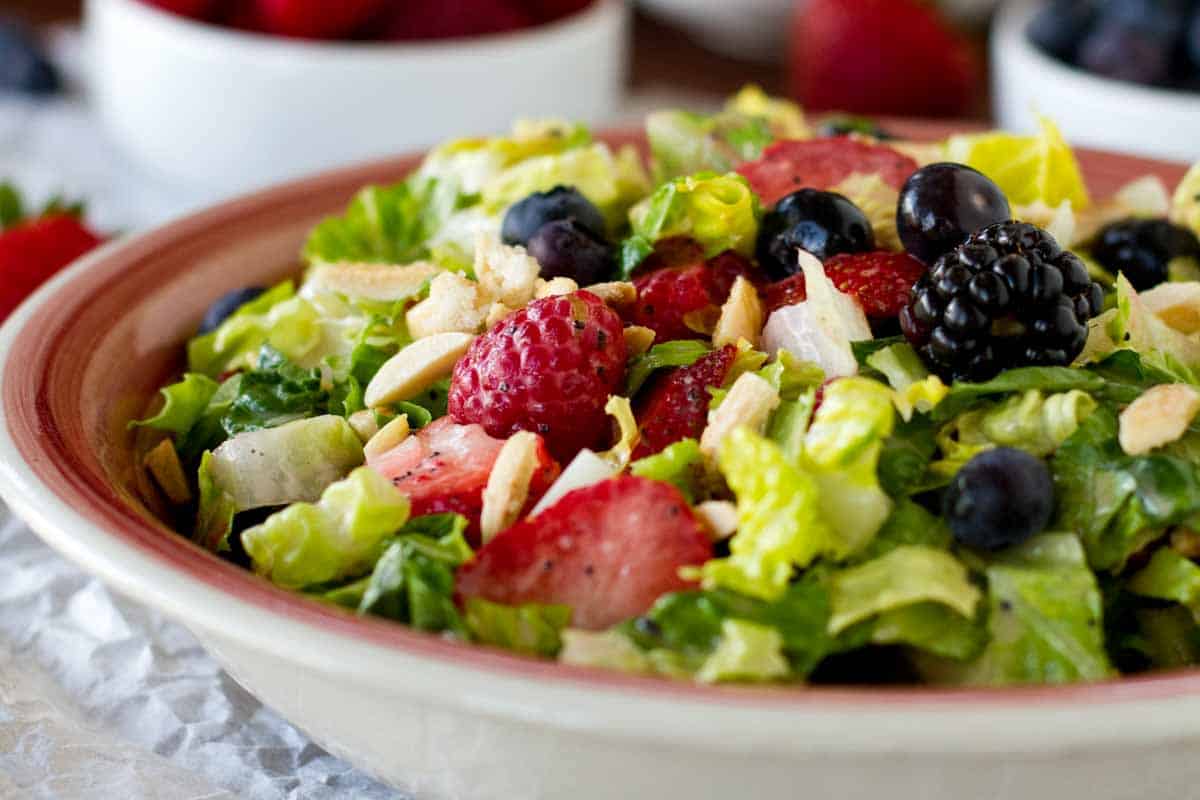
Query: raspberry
[[549, 369], [822, 164], [676, 406], [1008, 297], [608, 551], [881, 282], [668, 298]]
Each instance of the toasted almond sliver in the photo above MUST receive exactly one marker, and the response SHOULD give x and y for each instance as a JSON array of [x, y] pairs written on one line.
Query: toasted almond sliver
[[415, 368], [364, 424], [749, 403], [741, 317], [163, 464], [381, 282], [389, 436], [508, 485], [618, 293], [638, 339], [719, 518], [1177, 304], [1160, 416], [554, 287]]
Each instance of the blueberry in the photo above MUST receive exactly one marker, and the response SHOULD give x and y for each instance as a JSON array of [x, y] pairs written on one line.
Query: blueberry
[[1000, 498], [526, 217], [565, 248], [941, 205], [1128, 51], [823, 223], [844, 125], [23, 65], [1142, 249], [224, 307], [1061, 25]]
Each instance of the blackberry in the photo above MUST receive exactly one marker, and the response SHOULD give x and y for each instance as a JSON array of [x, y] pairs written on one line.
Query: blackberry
[[1008, 297], [1142, 249]]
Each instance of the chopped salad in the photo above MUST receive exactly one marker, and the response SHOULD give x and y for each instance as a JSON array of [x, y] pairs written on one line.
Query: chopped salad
[[781, 403]]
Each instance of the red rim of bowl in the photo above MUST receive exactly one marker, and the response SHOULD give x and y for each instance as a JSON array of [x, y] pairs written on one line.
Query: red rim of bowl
[[40, 425]]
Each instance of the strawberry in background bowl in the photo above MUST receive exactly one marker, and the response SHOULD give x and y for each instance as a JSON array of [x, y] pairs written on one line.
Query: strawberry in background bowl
[[222, 96]]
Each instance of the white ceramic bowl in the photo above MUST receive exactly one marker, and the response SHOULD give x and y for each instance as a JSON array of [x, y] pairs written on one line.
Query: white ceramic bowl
[[455, 722], [1090, 110], [221, 109], [754, 30]]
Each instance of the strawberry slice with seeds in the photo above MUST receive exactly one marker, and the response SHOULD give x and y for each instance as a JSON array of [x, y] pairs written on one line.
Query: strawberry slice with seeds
[[788, 166], [608, 551], [881, 281], [672, 297], [676, 405], [445, 467]]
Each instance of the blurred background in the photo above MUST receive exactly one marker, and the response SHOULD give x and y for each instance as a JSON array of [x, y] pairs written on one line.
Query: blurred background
[[163, 105]]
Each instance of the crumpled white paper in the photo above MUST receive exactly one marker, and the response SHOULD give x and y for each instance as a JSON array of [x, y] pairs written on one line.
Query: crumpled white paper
[[102, 698]]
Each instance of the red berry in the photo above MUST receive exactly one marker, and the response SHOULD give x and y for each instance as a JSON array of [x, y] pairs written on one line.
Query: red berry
[[453, 19], [822, 164], [881, 281], [676, 405], [548, 368], [315, 19], [881, 57], [608, 551], [445, 468], [668, 298], [33, 251], [549, 10], [195, 9]]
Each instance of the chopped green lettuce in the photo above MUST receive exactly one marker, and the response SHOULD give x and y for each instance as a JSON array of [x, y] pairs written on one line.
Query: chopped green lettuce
[[184, 404], [906, 456], [915, 389], [337, 537], [274, 393], [720, 212], [679, 353], [530, 629], [1045, 620], [746, 652], [471, 163], [1133, 326], [603, 650], [679, 464], [276, 317], [214, 515], [1169, 576], [909, 525], [904, 576], [1049, 380], [933, 628], [1169, 637]]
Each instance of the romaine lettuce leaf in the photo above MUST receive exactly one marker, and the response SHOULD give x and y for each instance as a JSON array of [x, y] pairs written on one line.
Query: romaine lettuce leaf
[[274, 393], [915, 389], [1045, 620], [1050, 380], [339, 536], [679, 353], [530, 629], [906, 575], [1135, 327], [906, 455], [276, 317], [718, 211], [933, 628], [184, 404], [679, 464], [214, 515], [745, 652], [604, 650], [1169, 576], [1169, 637], [471, 163], [909, 525]]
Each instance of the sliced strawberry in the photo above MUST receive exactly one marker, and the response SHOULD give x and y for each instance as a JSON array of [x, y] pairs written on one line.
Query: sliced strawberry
[[445, 468], [788, 166], [881, 281], [549, 10], [608, 551], [669, 298], [33, 251], [676, 405]]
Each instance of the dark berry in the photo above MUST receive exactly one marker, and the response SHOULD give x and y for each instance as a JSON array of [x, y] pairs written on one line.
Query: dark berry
[[844, 125], [1061, 25], [1142, 249], [24, 67], [1125, 50], [565, 248], [526, 217], [1009, 296], [224, 307], [943, 204], [823, 223], [1000, 498]]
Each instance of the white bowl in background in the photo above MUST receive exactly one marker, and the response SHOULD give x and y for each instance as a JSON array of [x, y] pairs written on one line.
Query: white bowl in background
[[754, 30], [1090, 110], [215, 108]]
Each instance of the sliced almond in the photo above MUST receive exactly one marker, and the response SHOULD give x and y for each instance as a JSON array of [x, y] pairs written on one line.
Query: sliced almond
[[638, 339], [381, 282], [719, 518], [554, 287], [364, 424], [455, 304], [389, 437], [749, 403], [497, 312], [417, 367], [1177, 304], [163, 464], [506, 274], [508, 485], [617, 294], [741, 317], [1160, 416]]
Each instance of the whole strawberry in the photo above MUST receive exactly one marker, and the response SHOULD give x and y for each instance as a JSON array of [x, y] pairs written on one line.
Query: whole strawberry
[[314, 19], [548, 369], [881, 57], [674, 301], [880, 281]]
